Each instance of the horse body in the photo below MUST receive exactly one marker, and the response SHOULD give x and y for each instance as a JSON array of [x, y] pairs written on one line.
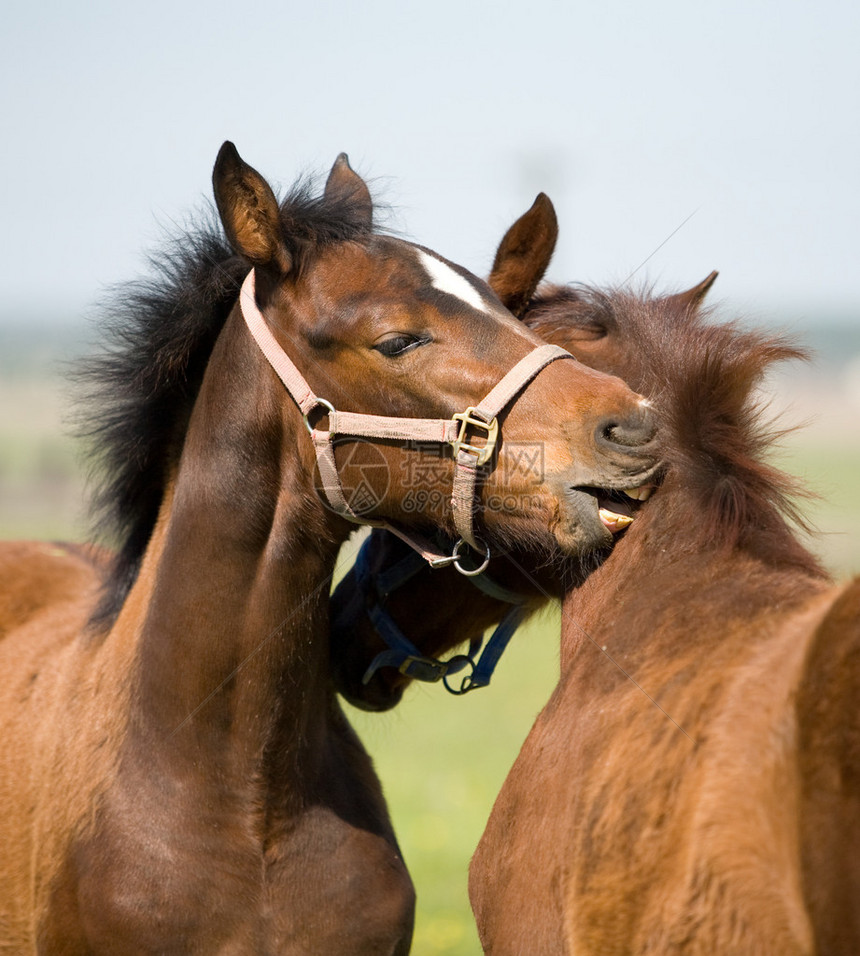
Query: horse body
[[828, 760], [672, 825], [177, 774], [696, 764], [48, 595]]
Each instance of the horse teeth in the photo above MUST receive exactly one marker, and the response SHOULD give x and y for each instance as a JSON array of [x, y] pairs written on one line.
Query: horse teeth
[[639, 494], [613, 521]]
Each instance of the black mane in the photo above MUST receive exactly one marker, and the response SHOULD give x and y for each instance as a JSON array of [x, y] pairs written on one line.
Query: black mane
[[159, 332]]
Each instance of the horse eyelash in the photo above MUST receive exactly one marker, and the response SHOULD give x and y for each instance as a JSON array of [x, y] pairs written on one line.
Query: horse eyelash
[[399, 345]]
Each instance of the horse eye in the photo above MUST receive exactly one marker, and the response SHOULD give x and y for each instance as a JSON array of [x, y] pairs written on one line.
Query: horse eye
[[399, 344]]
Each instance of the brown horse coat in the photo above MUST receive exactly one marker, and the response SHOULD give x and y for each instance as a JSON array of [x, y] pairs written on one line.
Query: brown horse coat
[[691, 786], [176, 775]]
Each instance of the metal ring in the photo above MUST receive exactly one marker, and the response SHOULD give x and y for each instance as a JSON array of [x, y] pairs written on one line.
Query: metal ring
[[455, 556], [465, 681], [317, 403]]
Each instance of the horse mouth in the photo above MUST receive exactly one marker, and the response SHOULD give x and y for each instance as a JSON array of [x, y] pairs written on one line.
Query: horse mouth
[[617, 508]]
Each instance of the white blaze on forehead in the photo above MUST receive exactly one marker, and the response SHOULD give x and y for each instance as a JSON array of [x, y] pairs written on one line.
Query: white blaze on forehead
[[445, 279]]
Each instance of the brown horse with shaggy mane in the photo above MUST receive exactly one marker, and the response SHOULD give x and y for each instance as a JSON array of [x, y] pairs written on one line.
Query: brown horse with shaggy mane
[[175, 773], [693, 784]]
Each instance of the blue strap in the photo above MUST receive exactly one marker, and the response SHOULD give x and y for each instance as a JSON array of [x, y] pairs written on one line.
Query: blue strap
[[397, 575], [492, 588], [405, 656], [388, 579], [483, 669]]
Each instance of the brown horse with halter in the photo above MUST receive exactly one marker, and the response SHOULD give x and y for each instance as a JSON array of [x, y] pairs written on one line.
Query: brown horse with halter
[[176, 775], [693, 784]]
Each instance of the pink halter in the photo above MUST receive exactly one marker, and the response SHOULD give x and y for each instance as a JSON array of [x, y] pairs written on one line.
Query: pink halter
[[468, 457]]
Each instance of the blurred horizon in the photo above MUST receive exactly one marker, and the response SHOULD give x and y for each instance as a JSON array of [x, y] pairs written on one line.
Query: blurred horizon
[[673, 139]]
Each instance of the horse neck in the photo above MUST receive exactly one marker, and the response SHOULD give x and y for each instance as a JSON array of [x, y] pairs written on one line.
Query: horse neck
[[229, 611], [667, 586]]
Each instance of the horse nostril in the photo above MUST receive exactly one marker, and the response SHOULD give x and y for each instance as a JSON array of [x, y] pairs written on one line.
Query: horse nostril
[[635, 430]]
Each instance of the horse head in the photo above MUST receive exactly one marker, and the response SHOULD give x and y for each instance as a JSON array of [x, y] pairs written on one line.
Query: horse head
[[382, 327]]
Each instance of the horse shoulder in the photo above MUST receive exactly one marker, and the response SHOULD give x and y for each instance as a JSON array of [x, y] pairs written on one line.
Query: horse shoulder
[[737, 882], [518, 875], [310, 871]]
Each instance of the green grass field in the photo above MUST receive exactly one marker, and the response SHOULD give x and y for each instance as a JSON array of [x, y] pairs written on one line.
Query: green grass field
[[441, 759]]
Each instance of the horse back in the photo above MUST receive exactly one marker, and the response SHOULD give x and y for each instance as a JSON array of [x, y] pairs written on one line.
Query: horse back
[[37, 575], [46, 594], [828, 720]]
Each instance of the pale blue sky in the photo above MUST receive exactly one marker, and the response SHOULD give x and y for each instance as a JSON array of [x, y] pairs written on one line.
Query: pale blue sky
[[631, 116]]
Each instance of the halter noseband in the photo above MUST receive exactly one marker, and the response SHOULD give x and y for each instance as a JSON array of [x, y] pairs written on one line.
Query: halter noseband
[[404, 655], [468, 457]]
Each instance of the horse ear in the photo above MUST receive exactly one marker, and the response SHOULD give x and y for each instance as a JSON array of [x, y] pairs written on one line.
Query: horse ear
[[344, 184], [249, 211], [524, 254], [692, 299]]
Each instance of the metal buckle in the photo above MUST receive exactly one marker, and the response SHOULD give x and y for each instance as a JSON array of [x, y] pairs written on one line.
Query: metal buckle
[[320, 401], [484, 452], [427, 669]]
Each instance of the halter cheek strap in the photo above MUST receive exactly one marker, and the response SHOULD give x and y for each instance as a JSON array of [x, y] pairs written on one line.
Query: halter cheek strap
[[468, 457], [455, 431]]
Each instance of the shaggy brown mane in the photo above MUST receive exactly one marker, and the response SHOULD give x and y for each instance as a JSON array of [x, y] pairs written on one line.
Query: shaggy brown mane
[[702, 378]]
